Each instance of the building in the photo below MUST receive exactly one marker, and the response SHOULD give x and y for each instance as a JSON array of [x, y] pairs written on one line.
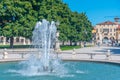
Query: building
[[17, 41], [108, 32], [118, 33]]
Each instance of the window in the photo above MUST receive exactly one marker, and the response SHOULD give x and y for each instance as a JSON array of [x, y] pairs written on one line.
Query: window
[[105, 30], [110, 30], [105, 34], [17, 39], [114, 34], [100, 30], [114, 30]]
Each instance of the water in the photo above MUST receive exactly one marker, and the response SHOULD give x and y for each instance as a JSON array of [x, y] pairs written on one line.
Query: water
[[76, 71], [44, 60], [46, 66], [43, 40]]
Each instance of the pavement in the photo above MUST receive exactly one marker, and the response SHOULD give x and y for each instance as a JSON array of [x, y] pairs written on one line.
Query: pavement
[[102, 49], [99, 54]]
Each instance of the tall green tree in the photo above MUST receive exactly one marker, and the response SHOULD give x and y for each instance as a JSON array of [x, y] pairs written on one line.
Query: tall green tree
[[17, 18]]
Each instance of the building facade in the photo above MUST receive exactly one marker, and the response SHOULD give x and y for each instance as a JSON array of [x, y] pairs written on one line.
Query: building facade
[[17, 41], [107, 32]]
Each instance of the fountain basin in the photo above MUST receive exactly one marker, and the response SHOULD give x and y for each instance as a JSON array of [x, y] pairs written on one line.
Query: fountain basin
[[75, 70]]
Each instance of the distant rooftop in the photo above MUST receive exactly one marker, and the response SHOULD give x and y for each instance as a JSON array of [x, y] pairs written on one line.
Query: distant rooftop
[[107, 23]]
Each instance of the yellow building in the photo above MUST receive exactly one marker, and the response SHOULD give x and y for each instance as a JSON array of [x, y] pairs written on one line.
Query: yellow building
[[107, 32], [118, 33]]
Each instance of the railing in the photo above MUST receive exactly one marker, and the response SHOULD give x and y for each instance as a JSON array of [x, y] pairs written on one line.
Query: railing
[[18, 53], [10, 54], [91, 55], [25, 53]]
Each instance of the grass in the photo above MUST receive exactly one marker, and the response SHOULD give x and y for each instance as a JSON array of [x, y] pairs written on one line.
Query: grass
[[15, 46], [28, 46], [69, 47]]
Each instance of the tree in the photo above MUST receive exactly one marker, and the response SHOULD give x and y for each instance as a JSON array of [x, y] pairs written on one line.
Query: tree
[[86, 28], [64, 33], [17, 18]]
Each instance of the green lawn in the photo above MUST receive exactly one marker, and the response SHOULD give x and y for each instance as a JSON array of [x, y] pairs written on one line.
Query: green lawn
[[28, 46], [15, 46], [69, 47]]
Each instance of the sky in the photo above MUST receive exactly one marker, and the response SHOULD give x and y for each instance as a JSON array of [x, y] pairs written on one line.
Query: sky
[[97, 10]]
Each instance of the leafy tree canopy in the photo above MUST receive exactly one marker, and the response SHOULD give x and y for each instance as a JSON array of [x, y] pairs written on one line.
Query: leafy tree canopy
[[18, 17]]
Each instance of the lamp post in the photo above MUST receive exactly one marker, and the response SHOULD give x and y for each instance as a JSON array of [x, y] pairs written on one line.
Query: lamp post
[[57, 44], [94, 36], [85, 37]]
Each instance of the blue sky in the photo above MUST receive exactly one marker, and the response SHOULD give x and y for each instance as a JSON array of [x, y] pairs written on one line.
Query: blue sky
[[97, 10]]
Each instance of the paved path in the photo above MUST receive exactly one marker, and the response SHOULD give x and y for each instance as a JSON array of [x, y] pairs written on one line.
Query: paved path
[[115, 50], [93, 54], [83, 54]]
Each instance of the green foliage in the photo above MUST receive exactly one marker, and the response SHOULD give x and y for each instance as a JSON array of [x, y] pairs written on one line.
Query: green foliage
[[18, 18]]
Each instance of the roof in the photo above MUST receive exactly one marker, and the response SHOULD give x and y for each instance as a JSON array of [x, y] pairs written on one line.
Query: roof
[[107, 23]]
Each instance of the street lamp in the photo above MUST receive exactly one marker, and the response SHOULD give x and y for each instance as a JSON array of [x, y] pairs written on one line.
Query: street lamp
[[85, 36], [94, 36], [57, 44], [57, 33]]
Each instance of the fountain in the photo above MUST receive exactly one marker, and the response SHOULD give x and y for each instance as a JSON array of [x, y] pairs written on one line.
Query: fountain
[[43, 64], [44, 36], [46, 60]]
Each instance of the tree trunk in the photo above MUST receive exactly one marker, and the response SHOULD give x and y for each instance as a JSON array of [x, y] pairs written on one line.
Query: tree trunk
[[75, 43], [11, 42], [63, 43], [70, 43], [79, 43]]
